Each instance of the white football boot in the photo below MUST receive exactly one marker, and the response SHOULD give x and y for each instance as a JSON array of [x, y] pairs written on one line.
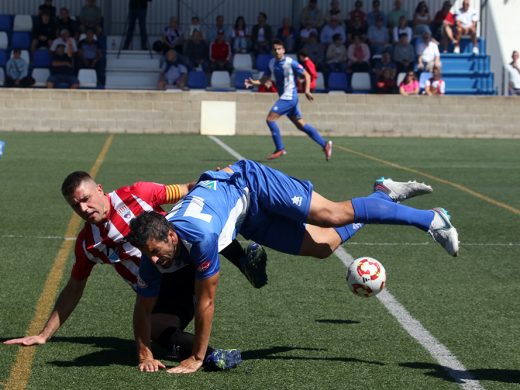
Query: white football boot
[[401, 190], [443, 231]]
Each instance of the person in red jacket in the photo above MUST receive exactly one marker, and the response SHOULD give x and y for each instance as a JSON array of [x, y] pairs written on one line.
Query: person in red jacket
[[220, 54], [308, 65]]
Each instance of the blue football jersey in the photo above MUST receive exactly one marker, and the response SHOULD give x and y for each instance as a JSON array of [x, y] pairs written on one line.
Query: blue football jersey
[[285, 73]]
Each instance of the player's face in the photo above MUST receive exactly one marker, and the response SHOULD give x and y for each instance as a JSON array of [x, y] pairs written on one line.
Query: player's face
[[162, 252], [89, 202], [278, 51]]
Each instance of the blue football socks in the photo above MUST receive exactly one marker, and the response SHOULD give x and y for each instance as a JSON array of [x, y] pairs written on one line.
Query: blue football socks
[[313, 133], [275, 132]]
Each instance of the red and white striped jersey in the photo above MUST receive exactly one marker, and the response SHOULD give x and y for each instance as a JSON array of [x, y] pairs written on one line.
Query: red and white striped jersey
[[104, 243]]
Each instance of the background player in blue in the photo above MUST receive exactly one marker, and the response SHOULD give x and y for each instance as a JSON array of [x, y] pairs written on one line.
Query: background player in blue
[[285, 70], [273, 209]]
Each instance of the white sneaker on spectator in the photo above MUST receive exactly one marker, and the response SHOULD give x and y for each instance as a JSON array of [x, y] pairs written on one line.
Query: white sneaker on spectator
[[475, 50], [456, 50]]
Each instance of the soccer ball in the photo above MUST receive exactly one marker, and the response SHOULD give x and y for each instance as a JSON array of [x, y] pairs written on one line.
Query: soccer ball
[[366, 277]]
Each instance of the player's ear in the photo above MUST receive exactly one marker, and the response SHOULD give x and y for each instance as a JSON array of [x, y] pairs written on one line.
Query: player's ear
[[174, 238]]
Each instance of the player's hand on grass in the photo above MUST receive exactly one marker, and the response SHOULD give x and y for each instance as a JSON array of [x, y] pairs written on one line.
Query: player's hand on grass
[[187, 366], [150, 365], [309, 96], [27, 341]]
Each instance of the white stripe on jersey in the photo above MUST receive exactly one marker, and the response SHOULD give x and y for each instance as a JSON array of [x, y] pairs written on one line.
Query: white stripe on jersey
[[289, 82], [143, 204], [235, 219]]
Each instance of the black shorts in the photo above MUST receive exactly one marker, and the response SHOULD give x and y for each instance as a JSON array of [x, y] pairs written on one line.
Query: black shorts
[[176, 296]]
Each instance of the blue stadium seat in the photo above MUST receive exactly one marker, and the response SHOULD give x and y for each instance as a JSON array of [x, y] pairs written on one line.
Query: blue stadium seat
[[240, 76], [42, 58], [21, 40], [3, 57], [423, 78], [6, 23], [197, 80], [262, 62], [337, 81]]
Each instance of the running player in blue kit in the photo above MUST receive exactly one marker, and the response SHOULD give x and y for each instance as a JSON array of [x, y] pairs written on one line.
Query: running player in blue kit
[[271, 208], [285, 70]]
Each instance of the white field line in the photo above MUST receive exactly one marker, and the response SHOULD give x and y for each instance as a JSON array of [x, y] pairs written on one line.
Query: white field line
[[438, 351]]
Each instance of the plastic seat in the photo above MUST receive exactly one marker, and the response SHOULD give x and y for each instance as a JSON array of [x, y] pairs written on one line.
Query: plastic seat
[[242, 62], [3, 57], [42, 58], [40, 76], [240, 77], [320, 83], [2, 77], [262, 62], [4, 40], [360, 82], [337, 81], [400, 78], [423, 78], [87, 78], [21, 40], [22, 23], [197, 80], [24, 55], [220, 80], [6, 22]]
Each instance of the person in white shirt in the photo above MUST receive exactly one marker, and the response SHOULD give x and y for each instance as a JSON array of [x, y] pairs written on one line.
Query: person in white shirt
[[514, 75], [428, 53], [466, 24]]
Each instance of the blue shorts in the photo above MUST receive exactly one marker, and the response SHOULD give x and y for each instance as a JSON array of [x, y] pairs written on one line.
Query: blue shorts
[[287, 107]]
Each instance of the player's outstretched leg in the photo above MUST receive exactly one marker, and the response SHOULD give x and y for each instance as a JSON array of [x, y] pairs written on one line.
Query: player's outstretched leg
[[443, 231], [277, 139], [253, 265]]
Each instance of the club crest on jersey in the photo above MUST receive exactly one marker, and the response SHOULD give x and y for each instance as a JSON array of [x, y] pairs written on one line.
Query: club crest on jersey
[[203, 266], [124, 211], [297, 200], [209, 184]]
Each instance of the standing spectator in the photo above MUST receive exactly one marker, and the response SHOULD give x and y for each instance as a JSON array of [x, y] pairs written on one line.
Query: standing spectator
[[65, 22], [315, 49], [220, 54], [356, 13], [90, 56], [336, 56], [358, 55], [312, 15], [172, 38], [428, 54], [466, 20], [137, 10], [385, 83], [404, 54], [335, 10], [305, 33], [308, 65], [514, 75], [359, 27], [90, 17], [262, 35], [67, 40], [62, 68], [173, 72], [395, 14], [43, 33], [217, 28], [402, 28], [287, 35], [48, 8], [435, 85], [384, 64], [331, 29], [197, 51], [196, 26], [240, 36], [375, 13], [421, 18], [378, 36], [17, 71], [410, 85]]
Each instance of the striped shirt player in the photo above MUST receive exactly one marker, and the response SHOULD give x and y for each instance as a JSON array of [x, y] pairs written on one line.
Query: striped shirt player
[[285, 71]]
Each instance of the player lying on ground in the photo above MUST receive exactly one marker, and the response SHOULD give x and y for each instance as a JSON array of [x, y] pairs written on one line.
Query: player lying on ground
[[273, 209], [102, 241]]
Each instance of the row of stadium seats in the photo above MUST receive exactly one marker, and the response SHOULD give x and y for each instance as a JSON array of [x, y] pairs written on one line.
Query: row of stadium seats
[[87, 78]]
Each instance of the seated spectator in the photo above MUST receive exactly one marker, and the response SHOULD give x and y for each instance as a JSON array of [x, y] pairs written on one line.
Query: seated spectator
[[385, 83], [306, 32], [402, 28], [287, 35], [421, 19], [64, 22], [410, 85], [330, 30], [428, 54], [196, 26], [173, 72], [90, 17], [466, 22], [217, 28], [90, 56], [384, 64], [17, 71], [312, 16], [172, 38], [268, 87], [66, 40], [358, 55], [43, 33], [335, 10], [448, 29], [438, 22], [336, 56], [514, 74], [220, 54], [435, 85], [404, 54], [376, 13], [196, 50], [62, 68], [356, 13], [378, 37], [262, 35], [240, 36], [357, 27], [308, 65], [315, 50], [395, 15], [47, 8]]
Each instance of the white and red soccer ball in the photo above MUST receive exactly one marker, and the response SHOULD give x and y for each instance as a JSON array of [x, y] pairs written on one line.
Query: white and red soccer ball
[[366, 277]]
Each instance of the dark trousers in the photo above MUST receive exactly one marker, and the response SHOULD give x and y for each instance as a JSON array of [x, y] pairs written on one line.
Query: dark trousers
[[139, 14]]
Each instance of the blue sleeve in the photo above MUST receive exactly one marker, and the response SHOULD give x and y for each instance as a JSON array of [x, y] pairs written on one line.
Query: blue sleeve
[[149, 279], [205, 258], [297, 68], [269, 71]]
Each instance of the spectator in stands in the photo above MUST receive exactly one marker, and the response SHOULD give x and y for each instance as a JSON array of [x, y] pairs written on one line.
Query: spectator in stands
[[336, 56], [262, 35], [311, 15], [410, 85], [315, 50], [48, 8], [240, 36], [66, 40], [404, 54], [356, 14], [287, 34], [306, 32], [62, 68], [402, 28], [466, 22], [394, 16], [217, 28], [385, 83], [64, 22], [196, 50], [310, 67], [435, 85], [172, 38], [173, 72], [421, 18], [220, 54], [137, 10], [376, 13], [90, 17], [17, 71], [514, 74], [196, 26], [358, 27], [358, 55], [330, 30], [384, 64], [438, 23], [428, 54], [378, 36], [448, 29], [335, 10], [90, 56], [43, 33], [268, 87]]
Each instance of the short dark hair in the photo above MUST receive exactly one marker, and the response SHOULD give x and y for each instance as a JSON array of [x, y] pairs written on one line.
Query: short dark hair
[[17, 50], [263, 14], [303, 53], [277, 42], [148, 225], [72, 181]]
